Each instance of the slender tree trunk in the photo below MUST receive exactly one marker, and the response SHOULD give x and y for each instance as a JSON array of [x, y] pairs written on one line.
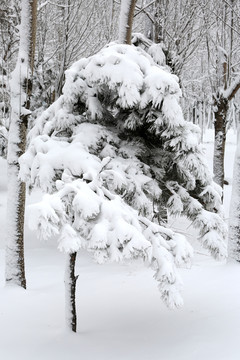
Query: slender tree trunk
[[221, 106], [234, 217], [158, 26], [70, 288], [126, 21], [65, 9], [15, 269], [20, 102]]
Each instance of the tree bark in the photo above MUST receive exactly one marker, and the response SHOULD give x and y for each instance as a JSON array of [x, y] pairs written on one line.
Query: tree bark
[[70, 289], [126, 21], [221, 106], [21, 92], [158, 16], [234, 218]]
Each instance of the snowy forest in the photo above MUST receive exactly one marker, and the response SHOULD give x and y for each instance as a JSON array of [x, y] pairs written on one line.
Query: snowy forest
[[120, 179]]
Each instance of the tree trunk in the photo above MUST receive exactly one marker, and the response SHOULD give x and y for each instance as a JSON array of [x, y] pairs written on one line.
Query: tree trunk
[[158, 27], [15, 268], [221, 106], [70, 289], [234, 217], [126, 21], [21, 88]]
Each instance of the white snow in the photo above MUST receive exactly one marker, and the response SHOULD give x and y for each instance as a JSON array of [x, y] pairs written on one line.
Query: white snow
[[156, 51], [120, 314]]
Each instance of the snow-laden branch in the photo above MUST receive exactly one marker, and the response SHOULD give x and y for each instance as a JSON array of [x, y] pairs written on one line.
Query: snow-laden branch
[[111, 230], [231, 91]]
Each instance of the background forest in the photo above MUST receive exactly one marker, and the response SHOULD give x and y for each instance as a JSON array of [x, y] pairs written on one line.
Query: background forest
[[198, 37]]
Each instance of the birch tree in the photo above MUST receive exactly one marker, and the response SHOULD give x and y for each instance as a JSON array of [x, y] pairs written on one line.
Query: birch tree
[[126, 21], [234, 216], [20, 103], [222, 44], [9, 20]]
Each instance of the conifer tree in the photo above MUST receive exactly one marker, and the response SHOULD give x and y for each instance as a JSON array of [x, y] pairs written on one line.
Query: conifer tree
[[109, 153]]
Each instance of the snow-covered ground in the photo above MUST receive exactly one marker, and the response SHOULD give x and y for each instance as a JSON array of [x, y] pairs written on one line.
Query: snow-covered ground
[[120, 314]]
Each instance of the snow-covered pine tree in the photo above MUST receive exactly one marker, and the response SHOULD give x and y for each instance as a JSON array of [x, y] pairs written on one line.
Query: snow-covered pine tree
[[110, 152]]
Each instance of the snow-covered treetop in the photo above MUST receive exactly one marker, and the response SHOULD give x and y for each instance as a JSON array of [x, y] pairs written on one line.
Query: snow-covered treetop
[[131, 77], [113, 150]]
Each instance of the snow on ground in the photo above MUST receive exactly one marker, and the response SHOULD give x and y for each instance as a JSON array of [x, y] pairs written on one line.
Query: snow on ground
[[120, 314]]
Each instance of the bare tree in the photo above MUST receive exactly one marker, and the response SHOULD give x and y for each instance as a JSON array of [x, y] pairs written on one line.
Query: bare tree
[[69, 30], [177, 25]]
